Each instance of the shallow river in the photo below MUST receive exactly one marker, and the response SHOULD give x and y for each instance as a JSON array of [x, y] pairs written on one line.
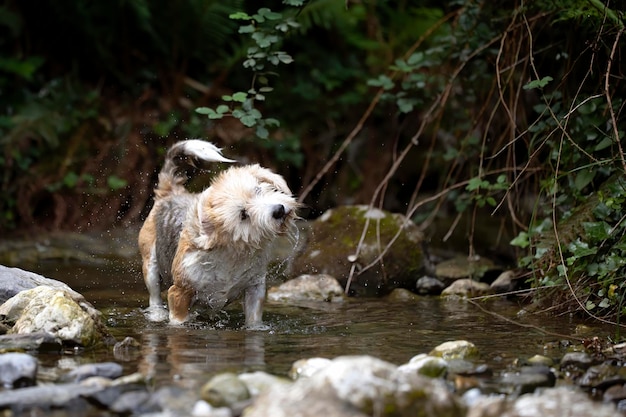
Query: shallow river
[[188, 356]]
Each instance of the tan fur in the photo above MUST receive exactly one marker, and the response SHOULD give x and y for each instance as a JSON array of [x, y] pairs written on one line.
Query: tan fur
[[222, 250]]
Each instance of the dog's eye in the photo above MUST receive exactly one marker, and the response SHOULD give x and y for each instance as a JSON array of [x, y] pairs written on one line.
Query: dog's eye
[[243, 214]]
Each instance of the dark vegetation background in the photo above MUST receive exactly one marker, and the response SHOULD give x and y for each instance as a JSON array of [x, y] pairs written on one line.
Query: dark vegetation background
[[488, 122]]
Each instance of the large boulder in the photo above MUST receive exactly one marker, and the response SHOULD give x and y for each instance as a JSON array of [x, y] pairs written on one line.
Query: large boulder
[[335, 236], [38, 305], [14, 280]]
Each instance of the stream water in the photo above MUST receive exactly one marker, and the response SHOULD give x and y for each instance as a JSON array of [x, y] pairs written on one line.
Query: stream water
[[394, 331]]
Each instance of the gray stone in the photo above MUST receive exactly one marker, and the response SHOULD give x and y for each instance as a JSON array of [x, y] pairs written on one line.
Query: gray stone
[[401, 295], [17, 370], [549, 402], [526, 380], [466, 287], [14, 280], [426, 365], [578, 360], [455, 350], [41, 342], [110, 370], [224, 390], [305, 368], [358, 386], [429, 286], [506, 282], [307, 288], [335, 236]]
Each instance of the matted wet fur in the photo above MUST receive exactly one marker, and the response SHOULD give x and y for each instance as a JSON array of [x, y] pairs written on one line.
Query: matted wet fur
[[212, 247]]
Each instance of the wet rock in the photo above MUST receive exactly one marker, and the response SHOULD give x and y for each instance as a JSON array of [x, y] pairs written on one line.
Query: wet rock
[[304, 368], [17, 370], [66, 396], [527, 380], [334, 238], [400, 295], [540, 360], [599, 374], [474, 267], [429, 286], [550, 402], [426, 365], [41, 342], [615, 393], [204, 409], [55, 311], [307, 288], [224, 390], [259, 381], [14, 280], [466, 287], [576, 361], [127, 349], [506, 282], [358, 386], [455, 350], [110, 370]]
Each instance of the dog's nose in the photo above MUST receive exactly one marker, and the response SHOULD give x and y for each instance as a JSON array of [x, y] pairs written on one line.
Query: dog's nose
[[278, 212]]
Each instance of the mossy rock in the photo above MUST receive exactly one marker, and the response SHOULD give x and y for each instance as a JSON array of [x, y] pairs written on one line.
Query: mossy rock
[[333, 242]]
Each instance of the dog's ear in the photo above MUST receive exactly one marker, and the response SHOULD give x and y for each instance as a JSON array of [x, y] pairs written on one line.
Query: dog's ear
[[275, 180], [205, 236]]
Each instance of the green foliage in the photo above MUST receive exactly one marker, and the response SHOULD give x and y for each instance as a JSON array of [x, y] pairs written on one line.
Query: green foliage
[[267, 29]]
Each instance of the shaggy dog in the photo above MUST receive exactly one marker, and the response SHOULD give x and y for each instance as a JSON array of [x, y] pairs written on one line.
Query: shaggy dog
[[212, 247]]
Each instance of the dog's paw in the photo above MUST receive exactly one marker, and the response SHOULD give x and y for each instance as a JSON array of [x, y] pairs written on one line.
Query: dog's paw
[[259, 327], [156, 314]]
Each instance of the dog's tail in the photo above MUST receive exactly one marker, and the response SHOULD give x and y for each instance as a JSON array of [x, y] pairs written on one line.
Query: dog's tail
[[193, 152]]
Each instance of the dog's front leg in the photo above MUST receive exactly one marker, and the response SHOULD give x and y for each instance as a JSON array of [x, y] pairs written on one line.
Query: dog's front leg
[[156, 309], [254, 298], [179, 300]]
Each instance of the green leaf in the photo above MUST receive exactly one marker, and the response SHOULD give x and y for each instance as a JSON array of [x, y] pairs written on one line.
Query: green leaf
[[382, 81], [70, 180], [247, 29], [222, 108], [240, 96], [604, 143], [597, 231], [538, 83], [262, 132], [583, 178], [204, 110], [239, 16], [115, 182], [522, 240]]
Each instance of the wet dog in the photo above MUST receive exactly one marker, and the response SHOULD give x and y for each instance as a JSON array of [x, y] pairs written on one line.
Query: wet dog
[[212, 247]]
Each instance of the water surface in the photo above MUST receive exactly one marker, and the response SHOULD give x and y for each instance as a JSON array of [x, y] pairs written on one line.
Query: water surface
[[189, 355]]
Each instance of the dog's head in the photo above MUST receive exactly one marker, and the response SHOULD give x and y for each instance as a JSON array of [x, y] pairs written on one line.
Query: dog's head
[[247, 206]]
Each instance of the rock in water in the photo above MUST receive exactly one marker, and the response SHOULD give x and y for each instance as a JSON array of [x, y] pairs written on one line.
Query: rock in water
[[17, 370], [307, 288], [353, 386], [334, 239], [55, 311]]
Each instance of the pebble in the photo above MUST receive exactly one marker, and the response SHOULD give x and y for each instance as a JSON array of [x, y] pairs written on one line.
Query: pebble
[[18, 370], [224, 390]]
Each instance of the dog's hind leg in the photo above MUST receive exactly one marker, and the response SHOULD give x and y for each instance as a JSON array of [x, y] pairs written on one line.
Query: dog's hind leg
[[254, 298], [179, 300]]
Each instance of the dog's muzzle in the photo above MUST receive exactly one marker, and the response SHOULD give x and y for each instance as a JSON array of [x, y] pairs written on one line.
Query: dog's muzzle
[[279, 212]]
